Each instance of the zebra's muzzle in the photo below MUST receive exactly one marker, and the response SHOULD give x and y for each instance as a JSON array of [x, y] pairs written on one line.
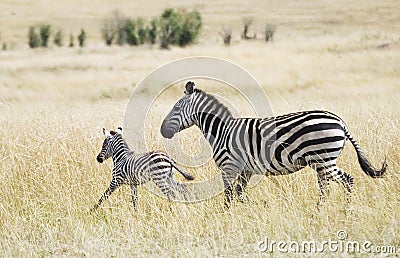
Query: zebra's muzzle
[[167, 133], [99, 159]]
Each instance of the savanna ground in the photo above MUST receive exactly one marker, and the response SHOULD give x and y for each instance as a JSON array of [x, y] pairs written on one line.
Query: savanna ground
[[54, 102]]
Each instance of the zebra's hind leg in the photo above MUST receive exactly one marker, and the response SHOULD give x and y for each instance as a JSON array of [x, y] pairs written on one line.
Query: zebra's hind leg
[[183, 190], [346, 180], [333, 172], [165, 188], [161, 176], [323, 186]]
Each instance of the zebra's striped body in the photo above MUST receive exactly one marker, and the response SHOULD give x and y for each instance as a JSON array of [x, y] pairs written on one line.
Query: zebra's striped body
[[136, 169], [284, 144], [272, 146]]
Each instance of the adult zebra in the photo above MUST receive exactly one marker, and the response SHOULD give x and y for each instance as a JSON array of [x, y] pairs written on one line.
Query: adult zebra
[[273, 146], [135, 169]]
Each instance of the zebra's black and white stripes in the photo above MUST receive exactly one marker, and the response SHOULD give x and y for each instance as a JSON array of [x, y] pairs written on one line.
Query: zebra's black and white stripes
[[272, 146], [135, 169]]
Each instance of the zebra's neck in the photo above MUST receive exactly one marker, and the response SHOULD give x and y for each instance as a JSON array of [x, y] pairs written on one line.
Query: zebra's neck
[[120, 151], [211, 117]]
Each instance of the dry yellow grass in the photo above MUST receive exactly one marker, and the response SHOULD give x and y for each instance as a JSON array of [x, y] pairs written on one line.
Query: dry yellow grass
[[54, 102]]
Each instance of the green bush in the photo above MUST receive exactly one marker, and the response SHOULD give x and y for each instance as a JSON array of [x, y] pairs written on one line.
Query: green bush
[[132, 36], [247, 22], [192, 24], [58, 38], [112, 27], [45, 32], [170, 27], [108, 33], [141, 30], [4, 44], [226, 35], [33, 38], [82, 38], [71, 40], [119, 23], [179, 27], [269, 31], [152, 31]]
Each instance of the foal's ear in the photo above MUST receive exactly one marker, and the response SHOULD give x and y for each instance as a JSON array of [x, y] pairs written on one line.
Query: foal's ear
[[119, 130], [189, 88], [106, 133]]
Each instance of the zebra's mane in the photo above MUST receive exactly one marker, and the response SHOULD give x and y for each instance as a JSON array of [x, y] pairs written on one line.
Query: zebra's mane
[[214, 101], [125, 145]]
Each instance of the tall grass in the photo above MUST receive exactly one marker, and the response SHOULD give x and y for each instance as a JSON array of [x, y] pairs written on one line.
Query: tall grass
[[51, 179], [52, 111]]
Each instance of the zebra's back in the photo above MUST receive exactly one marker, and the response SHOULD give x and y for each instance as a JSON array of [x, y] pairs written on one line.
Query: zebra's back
[[141, 168], [287, 143]]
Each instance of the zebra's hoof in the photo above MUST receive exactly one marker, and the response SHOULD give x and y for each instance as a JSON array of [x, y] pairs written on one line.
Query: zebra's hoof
[[243, 199], [349, 211], [93, 209]]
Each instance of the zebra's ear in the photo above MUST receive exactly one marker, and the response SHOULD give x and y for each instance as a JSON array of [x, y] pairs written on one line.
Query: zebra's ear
[[106, 133], [119, 130], [189, 88]]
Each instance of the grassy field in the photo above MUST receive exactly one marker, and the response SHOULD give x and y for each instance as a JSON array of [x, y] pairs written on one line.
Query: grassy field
[[54, 102]]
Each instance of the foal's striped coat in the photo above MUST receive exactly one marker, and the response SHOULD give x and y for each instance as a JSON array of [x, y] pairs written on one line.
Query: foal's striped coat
[[135, 169]]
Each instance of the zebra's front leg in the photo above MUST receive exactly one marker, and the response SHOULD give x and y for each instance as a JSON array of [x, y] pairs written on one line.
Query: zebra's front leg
[[134, 195], [106, 194], [113, 185], [243, 180], [228, 179]]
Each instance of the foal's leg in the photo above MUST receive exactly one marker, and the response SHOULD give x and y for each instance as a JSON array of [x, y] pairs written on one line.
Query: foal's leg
[[161, 178], [134, 195], [181, 188], [113, 186]]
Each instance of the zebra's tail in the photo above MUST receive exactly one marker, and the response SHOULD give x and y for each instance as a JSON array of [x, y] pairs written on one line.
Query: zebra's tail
[[364, 163], [185, 174]]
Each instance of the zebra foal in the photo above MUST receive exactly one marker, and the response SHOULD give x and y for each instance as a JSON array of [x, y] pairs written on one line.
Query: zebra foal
[[136, 169], [278, 145]]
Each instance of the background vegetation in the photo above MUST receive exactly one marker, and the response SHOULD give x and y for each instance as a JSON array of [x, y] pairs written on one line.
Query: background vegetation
[[173, 27], [340, 56]]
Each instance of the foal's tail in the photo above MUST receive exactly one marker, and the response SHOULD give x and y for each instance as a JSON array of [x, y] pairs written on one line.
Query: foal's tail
[[184, 173]]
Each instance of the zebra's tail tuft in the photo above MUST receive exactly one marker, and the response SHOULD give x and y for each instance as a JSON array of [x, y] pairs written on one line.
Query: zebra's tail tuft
[[364, 163], [368, 168]]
